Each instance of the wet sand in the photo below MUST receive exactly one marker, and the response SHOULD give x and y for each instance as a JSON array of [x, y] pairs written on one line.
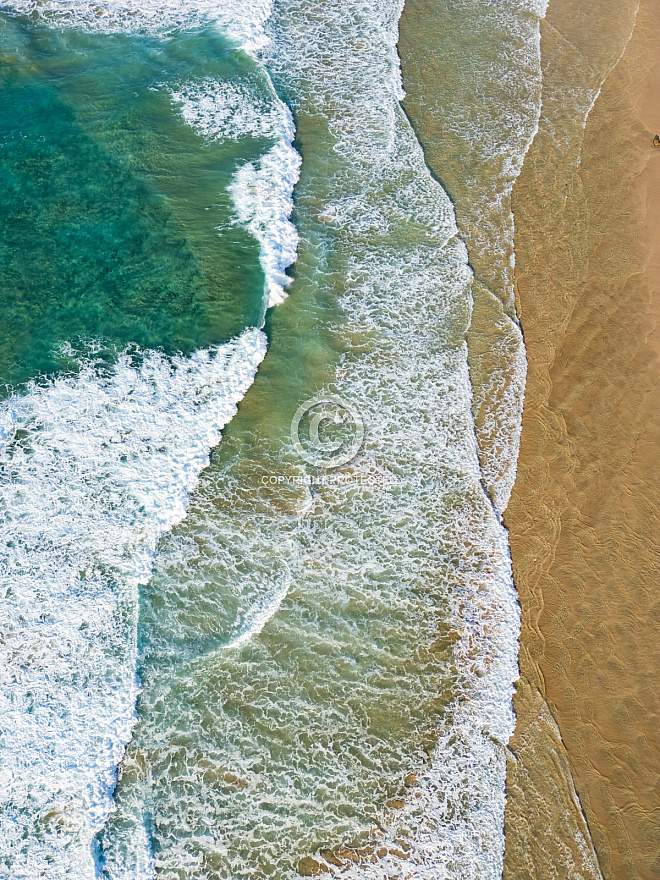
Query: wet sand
[[584, 517]]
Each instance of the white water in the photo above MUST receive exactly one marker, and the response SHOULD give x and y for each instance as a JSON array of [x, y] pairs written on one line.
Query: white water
[[95, 469], [242, 21]]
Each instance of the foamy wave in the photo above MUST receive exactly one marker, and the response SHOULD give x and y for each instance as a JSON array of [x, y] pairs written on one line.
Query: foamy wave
[[256, 618], [406, 284], [95, 469], [98, 468], [224, 110], [243, 21], [263, 195], [262, 191], [484, 129]]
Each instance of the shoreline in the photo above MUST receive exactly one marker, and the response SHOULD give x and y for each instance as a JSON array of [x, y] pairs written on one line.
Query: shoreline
[[583, 519]]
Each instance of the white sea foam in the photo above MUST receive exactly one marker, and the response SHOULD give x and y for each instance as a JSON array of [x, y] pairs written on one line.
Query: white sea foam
[[232, 110], [241, 20], [482, 98], [258, 615], [95, 468], [262, 191], [102, 467], [263, 195]]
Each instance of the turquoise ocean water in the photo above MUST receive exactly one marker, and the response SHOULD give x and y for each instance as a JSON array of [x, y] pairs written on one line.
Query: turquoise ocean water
[[223, 656]]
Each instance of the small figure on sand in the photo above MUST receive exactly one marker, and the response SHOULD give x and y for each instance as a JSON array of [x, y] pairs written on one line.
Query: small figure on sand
[[656, 141]]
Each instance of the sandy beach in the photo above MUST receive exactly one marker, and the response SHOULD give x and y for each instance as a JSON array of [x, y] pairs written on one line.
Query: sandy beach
[[584, 518]]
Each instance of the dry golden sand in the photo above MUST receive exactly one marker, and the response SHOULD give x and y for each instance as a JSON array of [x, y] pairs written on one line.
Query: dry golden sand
[[584, 518]]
